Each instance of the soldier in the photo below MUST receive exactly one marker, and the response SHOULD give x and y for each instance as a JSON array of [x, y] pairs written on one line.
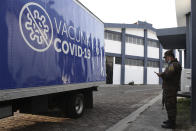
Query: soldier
[[171, 84]]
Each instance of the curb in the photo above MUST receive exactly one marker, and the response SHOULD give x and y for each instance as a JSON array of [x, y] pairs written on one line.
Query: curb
[[124, 123]]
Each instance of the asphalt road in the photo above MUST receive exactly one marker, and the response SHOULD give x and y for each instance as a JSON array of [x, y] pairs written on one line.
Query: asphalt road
[[111, 104]]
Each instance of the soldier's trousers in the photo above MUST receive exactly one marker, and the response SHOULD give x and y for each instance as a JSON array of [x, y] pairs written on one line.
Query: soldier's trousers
[[170, 104]]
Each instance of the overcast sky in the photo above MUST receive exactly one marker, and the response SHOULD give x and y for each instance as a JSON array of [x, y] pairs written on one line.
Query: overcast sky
[[160, 13]]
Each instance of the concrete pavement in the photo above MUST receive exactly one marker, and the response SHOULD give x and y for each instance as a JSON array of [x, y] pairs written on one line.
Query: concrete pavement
[[149, 117], [149, 120]]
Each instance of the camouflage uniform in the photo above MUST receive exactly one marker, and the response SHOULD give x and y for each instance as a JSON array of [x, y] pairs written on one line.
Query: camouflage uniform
[[171, 83]]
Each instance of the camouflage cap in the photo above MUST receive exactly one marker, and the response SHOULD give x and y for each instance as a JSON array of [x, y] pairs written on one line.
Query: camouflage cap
[[169, 53]]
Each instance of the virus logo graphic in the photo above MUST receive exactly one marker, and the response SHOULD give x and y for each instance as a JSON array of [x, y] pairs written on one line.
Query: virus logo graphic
[[36, 27]]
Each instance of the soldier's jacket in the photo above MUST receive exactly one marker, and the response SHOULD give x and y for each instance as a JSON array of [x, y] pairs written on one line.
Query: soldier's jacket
[[171, 76]]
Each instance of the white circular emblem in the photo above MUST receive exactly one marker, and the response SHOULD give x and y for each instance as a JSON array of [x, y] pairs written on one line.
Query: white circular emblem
[[36, 27]]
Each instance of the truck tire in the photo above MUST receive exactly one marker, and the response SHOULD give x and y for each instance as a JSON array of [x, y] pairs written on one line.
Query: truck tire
[[76, 106]]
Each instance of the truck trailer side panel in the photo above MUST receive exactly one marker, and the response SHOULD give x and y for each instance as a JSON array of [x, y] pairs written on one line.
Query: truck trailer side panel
[[47, 47], [47, 42]]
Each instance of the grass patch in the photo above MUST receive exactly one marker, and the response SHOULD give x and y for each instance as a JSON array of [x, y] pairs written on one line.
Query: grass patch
[[183, 119]]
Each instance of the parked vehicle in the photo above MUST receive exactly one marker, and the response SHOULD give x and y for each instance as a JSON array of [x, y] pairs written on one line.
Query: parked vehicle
[[51, 55]]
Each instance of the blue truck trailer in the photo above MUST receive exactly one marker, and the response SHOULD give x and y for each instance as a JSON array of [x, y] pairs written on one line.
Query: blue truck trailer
[[51, 55]]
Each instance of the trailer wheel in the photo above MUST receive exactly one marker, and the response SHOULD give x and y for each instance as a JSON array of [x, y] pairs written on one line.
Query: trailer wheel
[[76, 106]]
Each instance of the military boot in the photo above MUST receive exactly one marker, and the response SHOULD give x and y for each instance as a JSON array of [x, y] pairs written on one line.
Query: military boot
[[169, 125], [165, 122]]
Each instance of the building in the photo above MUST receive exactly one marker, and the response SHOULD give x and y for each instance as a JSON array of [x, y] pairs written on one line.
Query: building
[[134, 53]]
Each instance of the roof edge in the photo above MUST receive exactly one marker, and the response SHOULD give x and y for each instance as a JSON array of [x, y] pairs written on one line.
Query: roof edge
[[142, 25]]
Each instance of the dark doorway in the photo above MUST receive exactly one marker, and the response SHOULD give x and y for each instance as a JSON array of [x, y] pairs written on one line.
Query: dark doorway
[[109, 69]]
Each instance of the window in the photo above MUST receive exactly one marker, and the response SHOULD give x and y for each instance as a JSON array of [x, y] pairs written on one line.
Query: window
[[116, 37], [127, 39], [134, 62], [153, 64], [142, 41], [134, 40], [138, 41], [130, 39], [112, 36], [153, 43], [105, 35]]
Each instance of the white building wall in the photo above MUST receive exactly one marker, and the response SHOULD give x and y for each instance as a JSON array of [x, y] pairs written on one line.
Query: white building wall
[[134, 73], [135, 31], [116, 73], [113, 46], [153, 52], [182, 58], [134, 49], [152, 78], [152, 35], [114, 29]]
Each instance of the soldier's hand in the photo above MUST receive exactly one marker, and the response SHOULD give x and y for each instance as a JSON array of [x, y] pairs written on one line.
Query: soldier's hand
[[158, 74]]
